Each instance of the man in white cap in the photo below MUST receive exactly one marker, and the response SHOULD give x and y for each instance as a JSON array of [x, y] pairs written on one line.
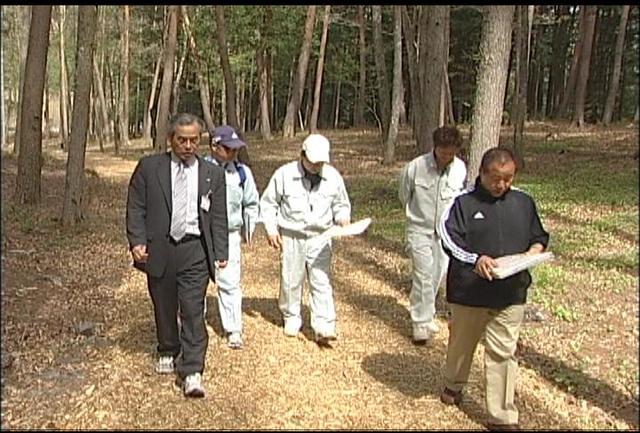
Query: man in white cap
[[242, 215], [304, 198]]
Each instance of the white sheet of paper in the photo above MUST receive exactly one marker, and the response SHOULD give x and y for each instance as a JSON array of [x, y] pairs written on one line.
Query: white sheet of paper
[[352, 229], [509, 265]]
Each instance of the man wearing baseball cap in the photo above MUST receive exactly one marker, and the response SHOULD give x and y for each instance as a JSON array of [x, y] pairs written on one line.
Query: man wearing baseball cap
[[242, 215], [304, 198]]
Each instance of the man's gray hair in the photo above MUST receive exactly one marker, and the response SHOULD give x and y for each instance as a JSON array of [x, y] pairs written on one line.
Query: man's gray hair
[[183, 119]]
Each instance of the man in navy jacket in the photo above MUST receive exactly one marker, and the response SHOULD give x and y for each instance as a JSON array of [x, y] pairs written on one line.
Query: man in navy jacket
[[489, 221]]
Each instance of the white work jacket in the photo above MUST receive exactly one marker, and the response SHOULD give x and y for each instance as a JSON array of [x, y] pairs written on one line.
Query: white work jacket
[[288, 202], [425, 193]]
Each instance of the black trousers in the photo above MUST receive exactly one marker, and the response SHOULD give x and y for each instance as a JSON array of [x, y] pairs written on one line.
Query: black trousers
[[182, 290]]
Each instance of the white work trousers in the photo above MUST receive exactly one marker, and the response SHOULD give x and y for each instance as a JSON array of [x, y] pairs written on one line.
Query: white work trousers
[[429, 263], [229, 291], [302, 256]]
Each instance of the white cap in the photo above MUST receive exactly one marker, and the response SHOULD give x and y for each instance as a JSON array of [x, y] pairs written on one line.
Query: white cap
[[316, 147]]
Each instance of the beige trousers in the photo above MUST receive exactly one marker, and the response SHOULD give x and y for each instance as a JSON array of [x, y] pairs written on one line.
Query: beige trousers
[[501, 329]]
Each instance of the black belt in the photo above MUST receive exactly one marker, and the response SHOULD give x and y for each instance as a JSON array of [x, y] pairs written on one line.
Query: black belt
[[184, 239]]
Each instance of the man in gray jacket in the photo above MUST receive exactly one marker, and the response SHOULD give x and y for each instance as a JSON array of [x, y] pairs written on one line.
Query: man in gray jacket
[[428, 184]]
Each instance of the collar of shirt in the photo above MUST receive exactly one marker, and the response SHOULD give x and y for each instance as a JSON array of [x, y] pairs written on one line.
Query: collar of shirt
[[431, 162], [189, 163], [301, 171]]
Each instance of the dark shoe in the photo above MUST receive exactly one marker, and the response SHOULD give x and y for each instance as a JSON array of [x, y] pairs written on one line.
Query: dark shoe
[[451, 397], [503, 427]]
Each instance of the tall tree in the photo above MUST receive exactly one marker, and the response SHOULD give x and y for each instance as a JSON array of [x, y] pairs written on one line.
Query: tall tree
[[432, 60], [288, 127], [29, 158], [262, 58], [584, 64], [23, 43], [3, 118], [408, 28], [162, 118], [381, 70], [560, 45], [491, 84], [147, 121], [570, 86], [72, 210], [313, 124], [123, 114], [229, 82], [362, 70], [64, 84], [200, 70], [614, 82], [522, 69], [390, 145]]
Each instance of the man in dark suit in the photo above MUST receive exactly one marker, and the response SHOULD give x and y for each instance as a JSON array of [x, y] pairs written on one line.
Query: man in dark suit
[[177, 232]]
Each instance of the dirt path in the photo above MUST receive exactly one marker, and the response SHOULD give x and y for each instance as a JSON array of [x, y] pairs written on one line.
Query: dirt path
[[373, 378]]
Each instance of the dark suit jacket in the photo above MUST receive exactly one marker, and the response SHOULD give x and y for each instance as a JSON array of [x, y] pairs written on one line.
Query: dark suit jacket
[[149, 206]]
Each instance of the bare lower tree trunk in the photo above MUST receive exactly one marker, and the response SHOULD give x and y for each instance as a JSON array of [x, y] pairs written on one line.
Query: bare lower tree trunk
[[164, 99], [570, 86], [204, 88], [317, 91], [381, 68], [64, 86], [390, 145], [614, 83], [491, 83], [23, 43], [30, 156], [175, 91], [265, 125], [362, 68], [414, 87], [229, 83], [433, 48], [522, 79], [288, 127], [97, 81], [584, 65], [72, 210], [124, 79], [146, 122], [336, 111]]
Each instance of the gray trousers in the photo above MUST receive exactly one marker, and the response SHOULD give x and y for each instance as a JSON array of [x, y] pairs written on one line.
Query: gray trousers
[[302, 257], [500, 329]]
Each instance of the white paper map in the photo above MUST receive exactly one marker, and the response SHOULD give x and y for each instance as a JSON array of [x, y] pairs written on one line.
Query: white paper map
[[352, 229], [509, 265]]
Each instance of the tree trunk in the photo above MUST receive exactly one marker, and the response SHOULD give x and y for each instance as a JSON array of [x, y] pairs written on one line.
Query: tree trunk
[[408, 28], [584, 65], [362, 68], [559, 54], [97, 115], [164, 99], [146, 123], [390, 146], [175, 91], [522, 70], [293, 106], [569, 89], [317, 91], [491, 84], [614, 83], [229, 83], [381, 71], [3, 118], [64, 86], [336, 111], [72, 210], [263, 79], [30, 156], [202, 85], [23, 43], [431, 83], [124, 77], [97, 81]]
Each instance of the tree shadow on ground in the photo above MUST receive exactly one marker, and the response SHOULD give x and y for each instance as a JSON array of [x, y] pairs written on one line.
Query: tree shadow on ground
[[267, 308], [581, 385]]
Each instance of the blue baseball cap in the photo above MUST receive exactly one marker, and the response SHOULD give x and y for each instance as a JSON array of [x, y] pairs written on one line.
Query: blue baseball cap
[[226, 136]]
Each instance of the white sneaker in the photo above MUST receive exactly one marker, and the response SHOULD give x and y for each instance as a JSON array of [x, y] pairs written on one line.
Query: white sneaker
[[165, 365], [234, 340], [422, 334], [193, 386], [291, 328], [433, 327]]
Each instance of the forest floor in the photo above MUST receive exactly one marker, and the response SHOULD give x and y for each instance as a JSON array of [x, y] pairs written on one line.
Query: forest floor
[[78, 333]]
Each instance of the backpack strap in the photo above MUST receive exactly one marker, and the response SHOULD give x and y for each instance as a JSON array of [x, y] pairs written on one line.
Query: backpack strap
[[241, 172]]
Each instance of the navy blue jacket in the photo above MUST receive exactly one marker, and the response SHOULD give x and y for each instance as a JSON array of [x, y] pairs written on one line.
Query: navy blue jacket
[[479, 224]]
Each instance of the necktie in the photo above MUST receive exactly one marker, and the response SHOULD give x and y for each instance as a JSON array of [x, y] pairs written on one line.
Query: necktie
[[179, 214]]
